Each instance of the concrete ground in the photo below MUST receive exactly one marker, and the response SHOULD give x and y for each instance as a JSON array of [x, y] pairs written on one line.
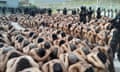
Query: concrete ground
[[117, 64]]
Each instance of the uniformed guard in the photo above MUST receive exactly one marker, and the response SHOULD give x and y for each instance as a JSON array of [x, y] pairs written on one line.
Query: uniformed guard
[[19, 10], [90, 12], [12, 10], [78, 10], [83, 14], [116, 11], [98, 13], [104, 10], [115, 41], [0, 9], [49, 11], [32, 12], [65, 11], [4, 10], [26, 10], [111, 13], [108, 12], [74, 12], [42, 10]]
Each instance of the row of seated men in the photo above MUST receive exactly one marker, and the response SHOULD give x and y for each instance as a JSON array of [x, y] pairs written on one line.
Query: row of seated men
[[95, 31], [46, 49]]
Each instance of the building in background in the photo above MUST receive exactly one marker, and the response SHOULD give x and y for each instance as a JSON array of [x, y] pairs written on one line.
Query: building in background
[[109, 4], [24, 2], [9, 3]]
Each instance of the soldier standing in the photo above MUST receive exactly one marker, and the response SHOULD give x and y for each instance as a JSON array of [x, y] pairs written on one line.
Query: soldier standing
[[83, 14], [31, 12], [111, 13], [108, 12], [4, 10], [65, 11], [78, 10], [98, 13], [90, 12], [74, 12], [104, 12], [49, 11], [116, 11], [115, 41]]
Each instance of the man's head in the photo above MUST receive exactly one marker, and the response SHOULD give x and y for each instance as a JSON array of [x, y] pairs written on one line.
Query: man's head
[[90, 8]]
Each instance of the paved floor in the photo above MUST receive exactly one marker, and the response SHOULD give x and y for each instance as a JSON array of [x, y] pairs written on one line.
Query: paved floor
[[117, 64], [17, 26]]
